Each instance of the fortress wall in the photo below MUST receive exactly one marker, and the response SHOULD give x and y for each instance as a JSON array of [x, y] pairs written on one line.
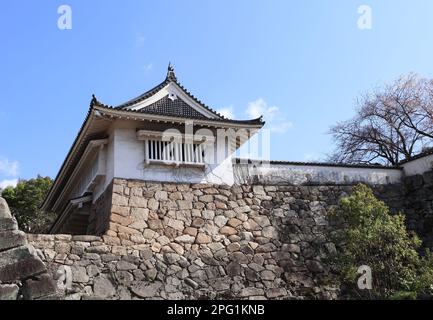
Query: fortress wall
[[177, 241], [180, 241]]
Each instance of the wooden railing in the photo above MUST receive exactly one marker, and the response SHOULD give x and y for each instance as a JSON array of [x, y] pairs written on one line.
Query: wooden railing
[[174, 152]]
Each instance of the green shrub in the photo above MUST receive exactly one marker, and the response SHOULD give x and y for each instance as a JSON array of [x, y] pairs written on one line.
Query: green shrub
[[24, 201], [370, 235]]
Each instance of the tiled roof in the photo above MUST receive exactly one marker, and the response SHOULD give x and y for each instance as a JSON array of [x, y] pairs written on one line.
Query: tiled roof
[[171, 77], [317, 164], [169, 107], [423, 154]]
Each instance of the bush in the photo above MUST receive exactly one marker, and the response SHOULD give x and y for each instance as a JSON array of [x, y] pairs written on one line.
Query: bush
[[24, 201], [372, 236]]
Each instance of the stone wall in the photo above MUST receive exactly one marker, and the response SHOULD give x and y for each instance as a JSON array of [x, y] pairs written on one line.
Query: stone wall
[[177, 241], [418, 205], [23, 275], [197, 241]]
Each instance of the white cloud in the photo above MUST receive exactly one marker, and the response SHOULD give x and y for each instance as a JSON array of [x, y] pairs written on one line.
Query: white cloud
[[9, 168], [275, 120], [227, 112], [140, 40], [259, 108], [8, 183]]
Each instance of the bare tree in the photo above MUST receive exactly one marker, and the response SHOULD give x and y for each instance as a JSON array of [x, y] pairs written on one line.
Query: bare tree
[[392, 123]]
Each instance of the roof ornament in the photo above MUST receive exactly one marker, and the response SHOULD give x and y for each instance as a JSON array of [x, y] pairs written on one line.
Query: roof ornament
[[170, 73], [94, 101]]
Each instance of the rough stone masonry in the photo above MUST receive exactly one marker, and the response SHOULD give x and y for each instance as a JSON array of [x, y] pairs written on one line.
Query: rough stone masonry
[[197, 241], [183, 241], [22, 273]]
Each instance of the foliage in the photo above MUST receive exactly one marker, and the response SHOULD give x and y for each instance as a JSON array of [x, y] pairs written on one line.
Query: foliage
[[24, 201], [392, 123], [371, 236]]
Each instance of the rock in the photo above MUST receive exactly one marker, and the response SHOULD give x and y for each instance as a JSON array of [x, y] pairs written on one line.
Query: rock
[[185, 239], [177, 248], [19, 263], [145, 290], [215, 246], [234, 269], [233, 222], [268, 247], [198, 223], [208, 214], [149, 234], [175, 224], [191, 283], [239, 257], [103, 288], [161, 195], [5, 212], [79, 274], [220, 221], [125, 266], [171, 258], [290, 247], [137, 202], [119, 200], [191, 231], [259, 190], [234, 246], [262, 221], [12, 239], [184, 204], [270, 232], [86, 238], [314, 266], [92, 270], [151, 274], [153, 204], [8, 224], [251, 291], [251, 225], [8, 292], [203, 238], [206, 198], [276, 292], [124, 277], [251, 275], [146, 254], [39, 287], [98, 249], [228, 231], [267, 275]]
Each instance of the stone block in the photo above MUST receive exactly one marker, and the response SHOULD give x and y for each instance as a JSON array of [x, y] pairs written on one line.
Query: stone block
[[228, 231], [8, 291], [8, 224], [85, 238], [79, 274], [39, 287], [145, 290], [19, 263], [203, 238], [185, 239], [184, 204], [12, 239], [103, 287]]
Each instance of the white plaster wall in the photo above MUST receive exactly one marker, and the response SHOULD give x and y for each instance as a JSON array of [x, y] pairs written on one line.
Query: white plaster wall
[[303, 174], [128, 158], [418, 166]]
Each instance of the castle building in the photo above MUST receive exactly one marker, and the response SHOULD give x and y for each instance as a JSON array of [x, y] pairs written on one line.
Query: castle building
[[165, 134]]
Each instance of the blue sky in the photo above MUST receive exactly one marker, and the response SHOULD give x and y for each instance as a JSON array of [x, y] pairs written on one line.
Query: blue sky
[[300, 62]]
